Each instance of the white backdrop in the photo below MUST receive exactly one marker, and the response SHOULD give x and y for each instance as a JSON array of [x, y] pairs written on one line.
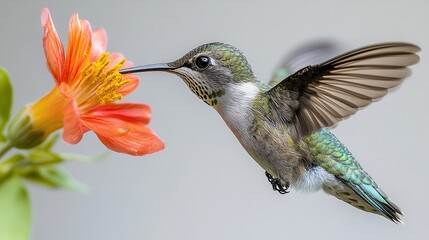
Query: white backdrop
[[204, 185]]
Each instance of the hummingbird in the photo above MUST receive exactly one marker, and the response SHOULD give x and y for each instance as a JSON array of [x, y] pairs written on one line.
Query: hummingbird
[[284, 126]]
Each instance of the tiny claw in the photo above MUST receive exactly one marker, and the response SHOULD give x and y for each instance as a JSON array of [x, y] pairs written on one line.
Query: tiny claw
[[276, 184], [269, 176], [283, 189]]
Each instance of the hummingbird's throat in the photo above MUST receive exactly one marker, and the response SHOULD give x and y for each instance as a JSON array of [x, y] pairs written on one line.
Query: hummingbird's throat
[[201, 90], [211, 98]]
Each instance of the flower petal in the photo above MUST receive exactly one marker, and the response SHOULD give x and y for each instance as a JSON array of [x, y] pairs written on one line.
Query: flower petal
[[106, 125], [99, 43], [73, 129], [132, 113], [54, 50], [79, 47], [137, 142]]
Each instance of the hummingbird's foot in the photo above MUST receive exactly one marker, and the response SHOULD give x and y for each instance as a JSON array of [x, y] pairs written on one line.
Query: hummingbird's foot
[[277, 185]]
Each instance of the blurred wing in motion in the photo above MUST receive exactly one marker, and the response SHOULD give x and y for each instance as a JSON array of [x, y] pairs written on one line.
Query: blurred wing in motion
[[309, 54]]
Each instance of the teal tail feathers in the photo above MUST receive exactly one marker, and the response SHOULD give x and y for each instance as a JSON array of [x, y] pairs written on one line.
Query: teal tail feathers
[[349, 182], [375, 197], [369, 198]]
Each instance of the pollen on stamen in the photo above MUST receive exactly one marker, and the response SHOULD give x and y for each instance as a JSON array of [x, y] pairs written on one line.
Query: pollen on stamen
[[104, 82]]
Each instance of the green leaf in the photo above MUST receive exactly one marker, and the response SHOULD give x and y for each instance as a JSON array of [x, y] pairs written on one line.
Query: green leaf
[[5, 100], [15, 210], [54, 177]]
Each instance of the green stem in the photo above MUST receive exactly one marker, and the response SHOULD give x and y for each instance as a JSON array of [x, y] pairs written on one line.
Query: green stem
[[4, 149]]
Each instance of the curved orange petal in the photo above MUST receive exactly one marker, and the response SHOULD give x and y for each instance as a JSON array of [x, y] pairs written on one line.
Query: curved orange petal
[[79, 47], [54, 50], [99, 43], [108, 126], [73, 129], [132, 113], [137, 142]]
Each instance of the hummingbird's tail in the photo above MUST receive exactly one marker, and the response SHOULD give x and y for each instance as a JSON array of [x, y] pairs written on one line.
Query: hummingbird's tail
[[348, 181], [366, 197]]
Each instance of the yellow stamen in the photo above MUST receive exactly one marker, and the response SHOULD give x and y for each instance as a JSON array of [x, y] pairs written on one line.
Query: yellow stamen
[[98, 84]]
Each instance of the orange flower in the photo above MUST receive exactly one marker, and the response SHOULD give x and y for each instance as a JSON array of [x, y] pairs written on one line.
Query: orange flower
[[87, 85]]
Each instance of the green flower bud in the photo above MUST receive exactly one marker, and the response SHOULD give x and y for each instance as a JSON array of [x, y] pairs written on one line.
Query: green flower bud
[[22, 132]]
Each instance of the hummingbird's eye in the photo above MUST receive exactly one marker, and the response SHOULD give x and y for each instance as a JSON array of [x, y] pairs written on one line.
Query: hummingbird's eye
[[202, 62]]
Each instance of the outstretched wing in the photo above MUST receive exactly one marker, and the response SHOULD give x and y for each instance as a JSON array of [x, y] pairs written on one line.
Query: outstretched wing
[[321, 95]]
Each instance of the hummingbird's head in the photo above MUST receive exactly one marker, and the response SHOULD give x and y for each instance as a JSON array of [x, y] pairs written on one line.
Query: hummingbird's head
[[208, 70]]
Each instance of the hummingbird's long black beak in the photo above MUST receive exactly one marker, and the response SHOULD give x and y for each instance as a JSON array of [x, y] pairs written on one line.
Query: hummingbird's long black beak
[[148, 68]]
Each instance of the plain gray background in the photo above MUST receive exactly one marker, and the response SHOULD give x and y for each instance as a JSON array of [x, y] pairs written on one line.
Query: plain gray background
[[204, 185]]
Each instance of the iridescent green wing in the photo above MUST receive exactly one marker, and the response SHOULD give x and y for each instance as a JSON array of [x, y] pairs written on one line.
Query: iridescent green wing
[[329, 153], [321, 95]]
